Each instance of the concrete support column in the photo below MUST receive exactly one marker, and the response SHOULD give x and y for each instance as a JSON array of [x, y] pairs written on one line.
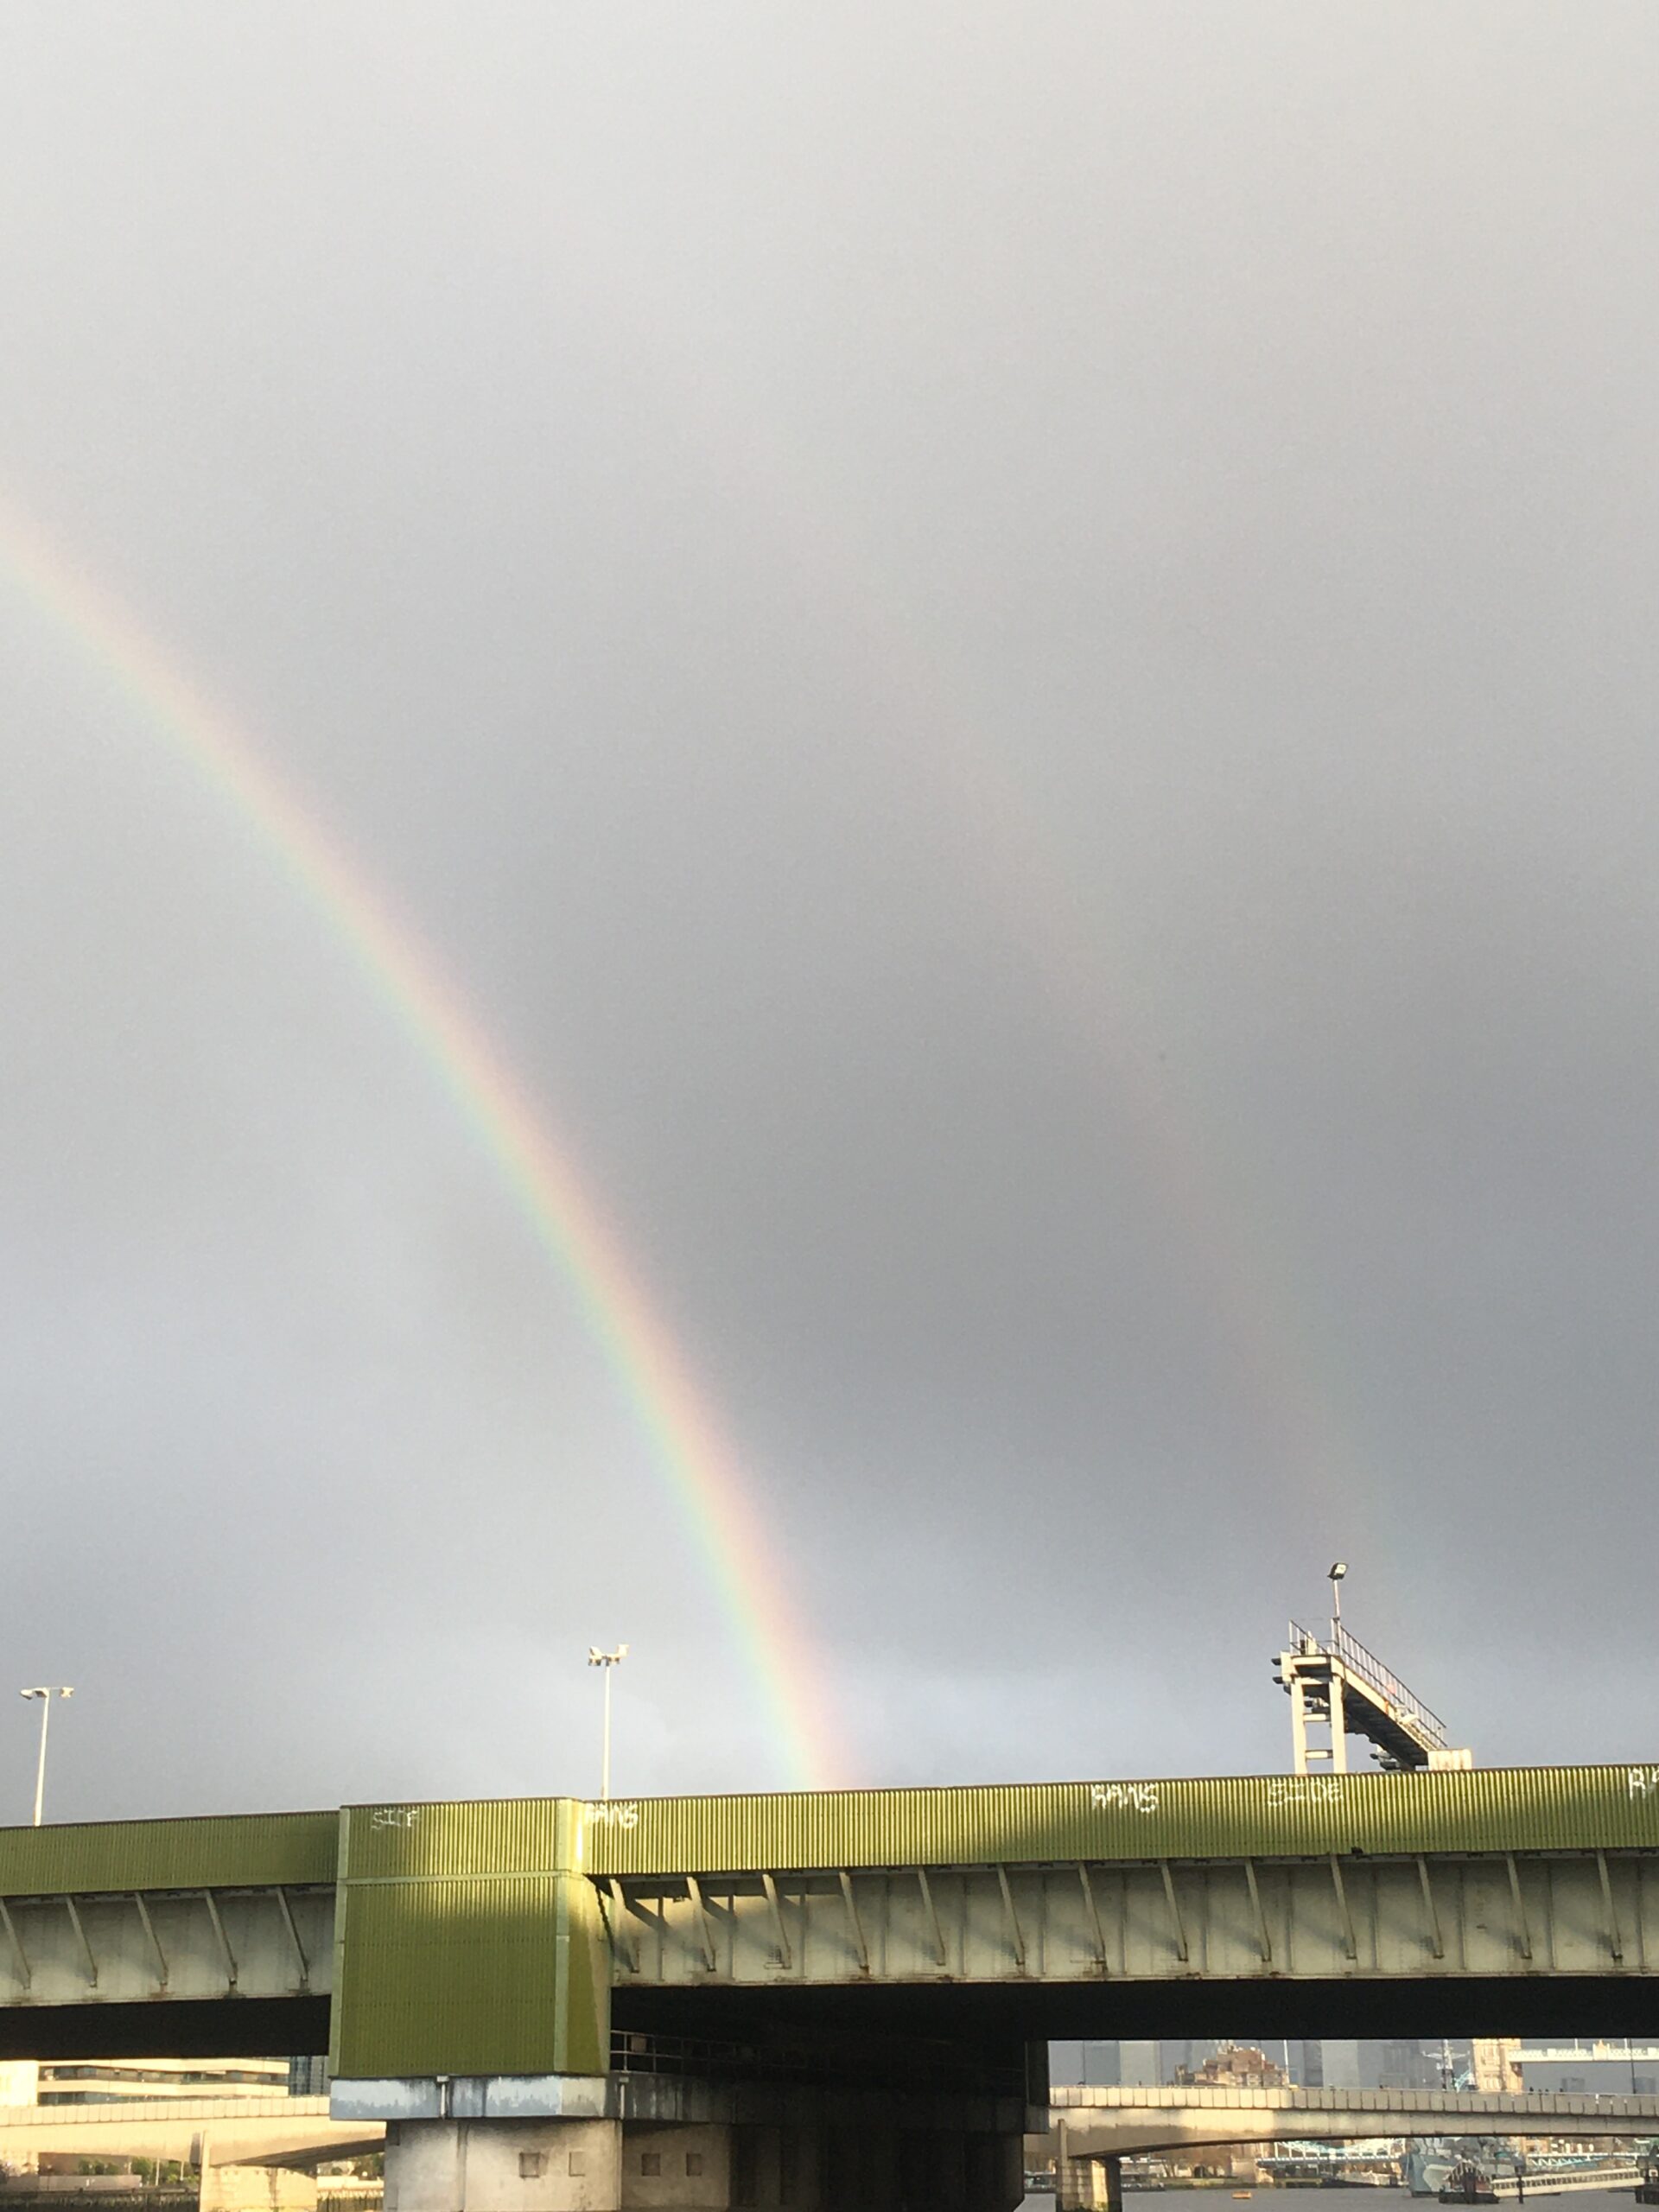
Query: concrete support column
[[507, 2165], [1339, 1726], [255, 2189], [682, 2167], [1088, 2184], [1297, 1725], [1111, 2176]]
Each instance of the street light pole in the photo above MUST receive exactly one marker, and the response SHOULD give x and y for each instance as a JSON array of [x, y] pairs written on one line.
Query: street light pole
[[45, 1696], [607, 1661], [1338, 1569]]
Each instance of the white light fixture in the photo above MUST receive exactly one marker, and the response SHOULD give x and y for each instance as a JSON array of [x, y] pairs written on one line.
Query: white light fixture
[[1338, 1569]]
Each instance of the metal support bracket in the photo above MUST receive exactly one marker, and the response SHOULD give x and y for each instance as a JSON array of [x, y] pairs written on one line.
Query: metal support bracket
[[300, 1959], [694, 1890], [1613, 1944], [227, 1956], [80, 1937], [139, 1899], [1522, 1931], [932, 1912], [859, 1945], [614, 1911], [17, 1942], [1350, 1941], [1435, 1936], [619, 1926], [780, 1935], [1015, 1938], [1262, 1935], [1093, 1911], [1174, 1912]]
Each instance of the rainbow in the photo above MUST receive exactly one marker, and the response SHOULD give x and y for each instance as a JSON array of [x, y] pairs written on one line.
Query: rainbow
[[692, 1458]]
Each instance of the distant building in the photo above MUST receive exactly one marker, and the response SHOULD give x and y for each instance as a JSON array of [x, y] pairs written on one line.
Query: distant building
[[1610, 2069], [1235, 2066], [1305, 2061], [1341, 2064], [1492, 2063], [123, 2080]]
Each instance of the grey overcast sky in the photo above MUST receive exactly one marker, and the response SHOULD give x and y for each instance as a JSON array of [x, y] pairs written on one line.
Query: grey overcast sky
[[1009, 656]]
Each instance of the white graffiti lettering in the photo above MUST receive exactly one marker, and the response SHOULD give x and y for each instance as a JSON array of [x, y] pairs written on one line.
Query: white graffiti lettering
[[1643, 1781], [607, 1814], [1305, 1790], [1127, 1796], [395, 1816]]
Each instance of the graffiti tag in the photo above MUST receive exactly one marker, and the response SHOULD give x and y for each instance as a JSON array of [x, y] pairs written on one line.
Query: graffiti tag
[[1643, 1781], [1126, 1796], [1305, 1790], [395, 1816], [606, 1813]]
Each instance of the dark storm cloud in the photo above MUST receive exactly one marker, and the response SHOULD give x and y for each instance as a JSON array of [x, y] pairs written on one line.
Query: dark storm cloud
[[1015, 669]]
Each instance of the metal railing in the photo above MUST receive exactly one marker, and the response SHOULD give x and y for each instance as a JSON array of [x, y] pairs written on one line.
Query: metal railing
[[1406, 1705], [1284, 2096]]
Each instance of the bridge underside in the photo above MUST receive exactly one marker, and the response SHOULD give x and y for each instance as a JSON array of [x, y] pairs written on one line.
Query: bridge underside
[[233, 2027], [969, 2017], [995, 2014]]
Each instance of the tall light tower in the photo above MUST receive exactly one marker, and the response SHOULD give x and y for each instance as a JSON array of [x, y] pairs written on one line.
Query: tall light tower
[[45, 1696], [608, 1661]]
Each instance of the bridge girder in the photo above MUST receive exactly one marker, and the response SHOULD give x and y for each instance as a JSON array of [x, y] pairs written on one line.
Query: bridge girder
[[1437, 1918]]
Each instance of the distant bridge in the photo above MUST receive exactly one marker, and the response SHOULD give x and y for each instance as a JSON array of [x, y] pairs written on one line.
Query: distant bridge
[[219, 2135], [1098, 2123], [234, 2131]]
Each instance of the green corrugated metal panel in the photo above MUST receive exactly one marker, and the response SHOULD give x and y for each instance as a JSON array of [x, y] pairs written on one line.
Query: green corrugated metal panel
[[585, 1979], [461, 1947], [243, 1850], [512, 1835], [447, 1977], [1528, 1809]]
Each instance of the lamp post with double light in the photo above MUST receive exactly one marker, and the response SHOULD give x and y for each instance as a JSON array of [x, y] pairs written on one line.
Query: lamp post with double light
[[45, 1696]]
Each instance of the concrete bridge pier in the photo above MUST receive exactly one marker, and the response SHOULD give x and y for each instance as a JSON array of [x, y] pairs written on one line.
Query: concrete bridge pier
[[254, 2188], [504, 2165], [841, 2161], [1087, 2184]]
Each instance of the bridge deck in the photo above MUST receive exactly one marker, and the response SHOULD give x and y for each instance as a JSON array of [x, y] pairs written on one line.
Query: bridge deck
[[431, 1934]]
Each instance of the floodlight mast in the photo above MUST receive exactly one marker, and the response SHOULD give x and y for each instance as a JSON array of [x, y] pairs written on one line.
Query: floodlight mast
[[45, 1694], [607, 1661]]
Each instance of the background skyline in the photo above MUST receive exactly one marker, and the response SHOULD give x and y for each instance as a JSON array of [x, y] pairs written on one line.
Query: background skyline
[[1014, 675]]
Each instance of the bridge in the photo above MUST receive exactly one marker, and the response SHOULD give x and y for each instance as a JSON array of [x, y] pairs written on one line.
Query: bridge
[[246, 2148], [1100, 2123], [1096, 2128], [777, 1962]]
